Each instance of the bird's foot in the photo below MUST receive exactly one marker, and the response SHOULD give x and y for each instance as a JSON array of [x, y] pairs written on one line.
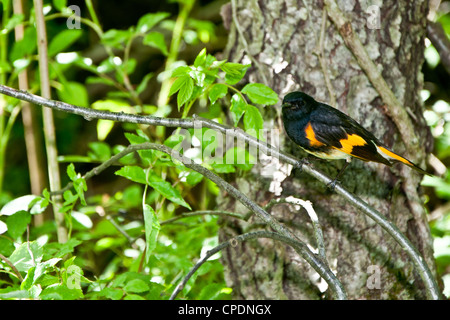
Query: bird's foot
[[298, 166]]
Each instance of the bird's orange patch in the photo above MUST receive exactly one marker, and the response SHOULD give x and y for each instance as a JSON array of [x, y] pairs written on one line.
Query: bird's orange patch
[[351, 141], [395, 156], [311, 136]]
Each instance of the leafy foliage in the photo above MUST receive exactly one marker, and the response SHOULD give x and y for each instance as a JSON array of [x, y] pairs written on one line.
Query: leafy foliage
[[124, 242]]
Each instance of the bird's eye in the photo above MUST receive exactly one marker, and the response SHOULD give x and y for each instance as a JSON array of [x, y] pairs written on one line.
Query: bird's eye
[[301, 103]]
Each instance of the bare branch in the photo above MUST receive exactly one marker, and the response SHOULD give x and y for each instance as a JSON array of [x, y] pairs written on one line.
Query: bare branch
[[439, 39]]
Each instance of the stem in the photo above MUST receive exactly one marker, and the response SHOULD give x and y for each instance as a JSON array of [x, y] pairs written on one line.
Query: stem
[[174, 49], [49, 126], [3, 61], [33, 136], [92, 12]]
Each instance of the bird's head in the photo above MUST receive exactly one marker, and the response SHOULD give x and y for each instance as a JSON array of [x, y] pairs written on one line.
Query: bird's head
[[298, 100], [297, 103]]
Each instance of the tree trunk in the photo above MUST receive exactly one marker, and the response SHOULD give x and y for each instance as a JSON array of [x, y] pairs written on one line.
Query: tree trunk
[[284, 38]]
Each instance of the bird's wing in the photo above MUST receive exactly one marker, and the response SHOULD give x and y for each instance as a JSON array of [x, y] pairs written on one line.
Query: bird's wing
[[339, 131]]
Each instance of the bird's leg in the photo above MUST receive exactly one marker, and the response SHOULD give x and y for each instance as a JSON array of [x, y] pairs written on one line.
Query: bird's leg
[[332, 184], [299, 165]]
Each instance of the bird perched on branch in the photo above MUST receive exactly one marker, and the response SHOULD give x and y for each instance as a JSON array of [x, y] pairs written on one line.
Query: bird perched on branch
[[327, 133]]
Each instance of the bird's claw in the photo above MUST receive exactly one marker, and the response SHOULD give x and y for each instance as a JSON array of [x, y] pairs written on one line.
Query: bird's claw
[[332, 184], [299, 165]]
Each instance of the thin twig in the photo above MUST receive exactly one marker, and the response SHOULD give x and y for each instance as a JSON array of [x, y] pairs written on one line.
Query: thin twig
[[202, 212], [300, 247], [440, 41], [307, 205], [9, 263], [323, 61], [120, 229], [196, 122], [244, 41]]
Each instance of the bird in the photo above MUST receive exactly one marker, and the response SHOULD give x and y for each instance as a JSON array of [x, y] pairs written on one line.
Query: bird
[[328, 133]]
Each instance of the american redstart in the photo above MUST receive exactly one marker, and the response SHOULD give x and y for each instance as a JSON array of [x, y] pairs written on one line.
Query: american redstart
[[327, 133]]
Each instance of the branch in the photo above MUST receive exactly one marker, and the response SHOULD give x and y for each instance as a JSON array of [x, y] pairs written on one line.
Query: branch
[[307, 205], [49, 125], [302, 249], [439, 39], [390, 228], [202, 212], [394, 107], [298, 246], [13, 267]]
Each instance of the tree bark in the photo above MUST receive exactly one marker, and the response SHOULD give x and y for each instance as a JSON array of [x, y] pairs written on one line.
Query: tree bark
[[294, 46]]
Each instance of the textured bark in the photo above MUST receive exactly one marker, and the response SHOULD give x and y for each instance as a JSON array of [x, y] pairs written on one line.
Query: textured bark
[[283, 37]]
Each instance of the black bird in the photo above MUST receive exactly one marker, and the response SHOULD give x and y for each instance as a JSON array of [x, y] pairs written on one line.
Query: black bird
[[327, 133]]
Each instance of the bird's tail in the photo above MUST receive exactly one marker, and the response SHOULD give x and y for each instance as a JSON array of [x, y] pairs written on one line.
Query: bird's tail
[[395, 157]]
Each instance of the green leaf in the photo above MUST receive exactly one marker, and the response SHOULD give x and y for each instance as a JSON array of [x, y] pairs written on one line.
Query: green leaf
[[63, 40], [223, 168], [14, 294], [99, 151], [181, 71], [74, 93], [111, 105], [24, 47], [137, 174], [185, 92], [104, 127], [200, 59], [156, 40], [217, 91], [116, 38], [133, 173], [143, 85], [234, 72], [147, 156], [166, 190], [59, 4], [253, 121], [136, 286], [17, 223], [60, 292], [21, 257], [149, 20], [38, 205], [110, 293], [198, 76], [238, 107], [194, 178], [260, 94], [59, 250], [79, 184], [178, 83], [152, 227], [18, 204], [71, 172], [13, 21]]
